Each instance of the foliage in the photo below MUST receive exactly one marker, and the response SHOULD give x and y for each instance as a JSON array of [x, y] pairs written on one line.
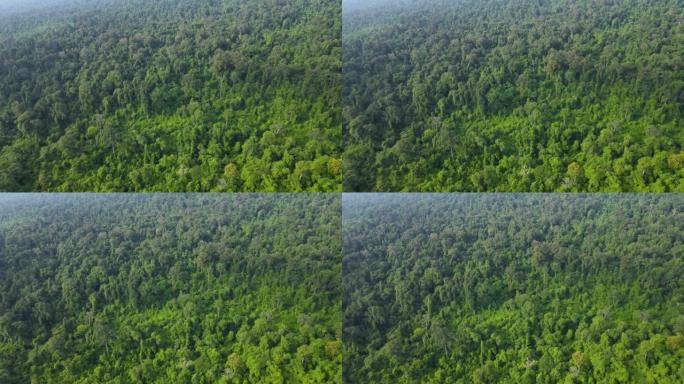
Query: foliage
[[171, 95], [512, 288], [170, 288], [514, 95]]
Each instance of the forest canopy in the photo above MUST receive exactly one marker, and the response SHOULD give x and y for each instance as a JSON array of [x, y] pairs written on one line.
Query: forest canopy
[[171, 95], [514, 95], [513, 288], [196, 288]]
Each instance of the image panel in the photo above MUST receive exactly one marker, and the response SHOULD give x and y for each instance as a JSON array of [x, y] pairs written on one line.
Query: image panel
[[170, 288], [513, 288], [513, 96], [170, 95]]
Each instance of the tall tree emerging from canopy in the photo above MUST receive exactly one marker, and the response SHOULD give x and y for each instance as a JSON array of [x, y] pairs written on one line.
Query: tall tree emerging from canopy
[[513, 288], [171, 95], [149, 288], [514, 95]]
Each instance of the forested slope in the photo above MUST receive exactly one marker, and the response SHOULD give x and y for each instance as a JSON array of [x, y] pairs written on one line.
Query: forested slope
[[514, 95], [513, 288], [171, 95], [170, 289]]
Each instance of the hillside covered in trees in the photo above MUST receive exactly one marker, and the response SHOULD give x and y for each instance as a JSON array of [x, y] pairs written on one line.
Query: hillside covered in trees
[[152, 288], [170, 95], [513, 95], [513, 288]]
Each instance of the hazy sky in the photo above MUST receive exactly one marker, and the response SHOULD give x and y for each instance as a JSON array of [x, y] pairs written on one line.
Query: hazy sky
[[30, 2], [354, 5], [348, 5], [27, 4]]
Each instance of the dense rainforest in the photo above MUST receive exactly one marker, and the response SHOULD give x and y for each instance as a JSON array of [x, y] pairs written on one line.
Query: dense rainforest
[[195, 288], [513, 95], [171, 95], [513, 288]]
